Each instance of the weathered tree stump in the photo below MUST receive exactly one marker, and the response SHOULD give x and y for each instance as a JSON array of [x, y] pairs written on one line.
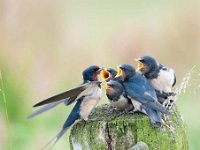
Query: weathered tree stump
[[110, 131]]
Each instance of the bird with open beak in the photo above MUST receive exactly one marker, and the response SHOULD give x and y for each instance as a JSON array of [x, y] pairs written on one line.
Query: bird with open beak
[[142, 94], [161, 78], [115, 90], [86, 95], [108, 74]]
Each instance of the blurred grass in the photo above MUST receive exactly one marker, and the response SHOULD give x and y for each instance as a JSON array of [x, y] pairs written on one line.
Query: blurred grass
[[6, 111], [45, 45]]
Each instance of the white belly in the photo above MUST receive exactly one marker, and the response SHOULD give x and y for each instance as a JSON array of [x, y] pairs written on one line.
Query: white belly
[[164, 81], [90, 102], [122, 103], [136, 104]]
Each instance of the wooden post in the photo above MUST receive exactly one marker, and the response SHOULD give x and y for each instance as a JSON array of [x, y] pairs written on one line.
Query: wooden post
[[110, 131]]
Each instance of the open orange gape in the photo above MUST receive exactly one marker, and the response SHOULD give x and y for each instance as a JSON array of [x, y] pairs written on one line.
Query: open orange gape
[[140, 65], [105, 74]]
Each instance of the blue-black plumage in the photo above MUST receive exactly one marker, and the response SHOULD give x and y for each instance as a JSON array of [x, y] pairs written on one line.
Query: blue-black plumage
[[68, 97], [87, 96], [141, 92], [117, 96], [161, 78], [115, 90]]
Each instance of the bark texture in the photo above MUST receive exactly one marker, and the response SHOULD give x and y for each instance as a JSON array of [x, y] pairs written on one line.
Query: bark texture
[[109, 131]]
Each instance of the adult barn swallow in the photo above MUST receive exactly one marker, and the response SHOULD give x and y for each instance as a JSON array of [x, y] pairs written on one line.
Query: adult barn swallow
[[86, 96], [161, 78], [141, 93], [61, 98]]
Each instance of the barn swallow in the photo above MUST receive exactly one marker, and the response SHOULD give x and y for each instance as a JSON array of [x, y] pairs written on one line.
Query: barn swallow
[[161, 78], [61, 98], [141, 93], [86, 96], [115, 90], [117, 96]]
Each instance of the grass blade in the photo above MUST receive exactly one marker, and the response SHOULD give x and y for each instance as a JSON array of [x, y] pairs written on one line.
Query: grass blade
[[6, 110]]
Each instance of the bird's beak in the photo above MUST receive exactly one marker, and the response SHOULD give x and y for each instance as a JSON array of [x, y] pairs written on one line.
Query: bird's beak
[[107, 87], [119, 71], [140, 65], [105, 74]]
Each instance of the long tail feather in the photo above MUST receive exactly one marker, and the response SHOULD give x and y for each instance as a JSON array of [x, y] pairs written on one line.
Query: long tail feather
[[154, 116], [54, 140], [157, 106]]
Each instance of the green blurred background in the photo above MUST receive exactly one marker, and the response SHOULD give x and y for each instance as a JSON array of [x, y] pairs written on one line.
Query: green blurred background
[[45, 45]]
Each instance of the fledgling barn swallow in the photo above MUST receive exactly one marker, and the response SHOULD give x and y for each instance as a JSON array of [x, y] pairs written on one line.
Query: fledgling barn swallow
[[142, 94], [117, 96], [115, 90], [161, 78], [86, 96]]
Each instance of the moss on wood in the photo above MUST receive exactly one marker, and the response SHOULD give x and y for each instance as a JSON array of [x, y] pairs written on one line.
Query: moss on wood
[[108, 130]]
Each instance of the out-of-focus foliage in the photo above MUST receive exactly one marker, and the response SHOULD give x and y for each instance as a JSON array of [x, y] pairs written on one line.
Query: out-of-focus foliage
[[44, 46]]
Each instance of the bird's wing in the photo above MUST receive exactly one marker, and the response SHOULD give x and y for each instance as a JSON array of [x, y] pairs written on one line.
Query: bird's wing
[[72, 93], [144, 96], [45, 108], [70, 100], [154, 116], [139, 93], [157, 106]]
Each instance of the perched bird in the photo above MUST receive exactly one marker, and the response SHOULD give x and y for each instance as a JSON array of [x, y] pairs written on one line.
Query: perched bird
[[142, 94], [86, 96], [161, 78], [117, 96], [115, 90], [61, 98]]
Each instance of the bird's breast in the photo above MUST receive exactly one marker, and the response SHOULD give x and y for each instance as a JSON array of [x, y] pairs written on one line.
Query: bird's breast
[[121, 103], [136, 104], [164, 81], [89, 102], [92, 91]]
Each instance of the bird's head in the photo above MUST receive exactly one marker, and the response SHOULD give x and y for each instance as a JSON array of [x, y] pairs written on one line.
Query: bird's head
[[91, 73], [114, 88], [146, 64], [126, 71], [108, 74]]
